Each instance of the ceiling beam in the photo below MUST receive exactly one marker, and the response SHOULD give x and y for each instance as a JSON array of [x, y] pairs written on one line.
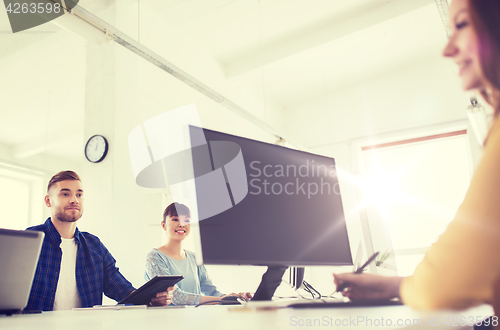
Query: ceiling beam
[[297, 42], [47, 141], [5, 151], [19, 46], [94, 22]]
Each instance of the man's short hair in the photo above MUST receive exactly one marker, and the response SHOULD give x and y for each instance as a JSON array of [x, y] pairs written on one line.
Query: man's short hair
[[62, 176]]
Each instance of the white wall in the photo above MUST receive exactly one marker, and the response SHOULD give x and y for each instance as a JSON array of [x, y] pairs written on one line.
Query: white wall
[[122, 91], [425, 93], [423, 96], [36, 172]]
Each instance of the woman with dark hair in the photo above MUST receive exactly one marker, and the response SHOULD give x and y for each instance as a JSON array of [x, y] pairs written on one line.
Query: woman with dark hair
[[462, 268], [171, 259]]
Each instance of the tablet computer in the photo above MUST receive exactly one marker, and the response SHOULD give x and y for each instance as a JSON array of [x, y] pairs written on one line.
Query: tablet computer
[[143, 295]]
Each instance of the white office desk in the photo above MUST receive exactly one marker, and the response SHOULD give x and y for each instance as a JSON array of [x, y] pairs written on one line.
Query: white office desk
[[237, 317]]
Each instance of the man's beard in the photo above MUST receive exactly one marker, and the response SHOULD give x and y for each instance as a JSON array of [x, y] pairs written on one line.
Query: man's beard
[[61, 216]]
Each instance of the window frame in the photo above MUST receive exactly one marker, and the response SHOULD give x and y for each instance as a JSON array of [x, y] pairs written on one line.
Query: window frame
[[35, 179], [408, 136]]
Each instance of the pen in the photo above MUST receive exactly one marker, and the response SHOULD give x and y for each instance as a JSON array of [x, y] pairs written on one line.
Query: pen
[[342, 286]]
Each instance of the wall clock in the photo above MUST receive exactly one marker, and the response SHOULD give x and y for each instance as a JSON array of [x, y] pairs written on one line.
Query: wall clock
[[96, 148]]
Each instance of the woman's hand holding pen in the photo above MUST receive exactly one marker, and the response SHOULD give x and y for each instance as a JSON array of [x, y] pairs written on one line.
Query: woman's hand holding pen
[[368, 286]]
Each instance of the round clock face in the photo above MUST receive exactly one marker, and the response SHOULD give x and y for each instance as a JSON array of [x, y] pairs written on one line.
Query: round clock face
[[96, 148]]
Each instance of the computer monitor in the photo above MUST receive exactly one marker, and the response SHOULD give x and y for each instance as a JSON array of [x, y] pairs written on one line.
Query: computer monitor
[[264, 204], [19, 253]]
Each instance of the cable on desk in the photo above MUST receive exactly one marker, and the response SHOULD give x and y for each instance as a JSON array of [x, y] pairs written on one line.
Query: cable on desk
[[309, 288], [207, 302]]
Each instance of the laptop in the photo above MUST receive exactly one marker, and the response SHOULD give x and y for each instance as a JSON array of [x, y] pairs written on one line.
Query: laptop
[[19, 252]]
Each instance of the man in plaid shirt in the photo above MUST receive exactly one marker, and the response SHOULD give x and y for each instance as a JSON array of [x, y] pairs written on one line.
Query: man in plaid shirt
[[74, 268]]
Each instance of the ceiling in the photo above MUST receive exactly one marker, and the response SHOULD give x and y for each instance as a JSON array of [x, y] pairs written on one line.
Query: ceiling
[[293, 49]]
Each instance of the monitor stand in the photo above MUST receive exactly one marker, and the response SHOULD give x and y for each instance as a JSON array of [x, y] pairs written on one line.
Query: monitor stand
[[269, 283]]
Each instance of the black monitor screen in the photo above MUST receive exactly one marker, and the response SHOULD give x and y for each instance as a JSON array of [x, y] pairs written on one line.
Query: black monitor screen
[[263, 204]]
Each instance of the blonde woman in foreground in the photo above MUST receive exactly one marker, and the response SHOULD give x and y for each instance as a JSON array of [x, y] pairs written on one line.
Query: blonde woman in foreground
[[462, 268]]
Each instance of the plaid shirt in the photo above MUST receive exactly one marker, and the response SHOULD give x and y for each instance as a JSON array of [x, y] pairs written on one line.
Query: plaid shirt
[[95, 271]]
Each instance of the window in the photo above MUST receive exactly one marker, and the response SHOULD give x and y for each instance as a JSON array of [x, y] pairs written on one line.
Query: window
[[412, 190], [14, 203], [21, 197]]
